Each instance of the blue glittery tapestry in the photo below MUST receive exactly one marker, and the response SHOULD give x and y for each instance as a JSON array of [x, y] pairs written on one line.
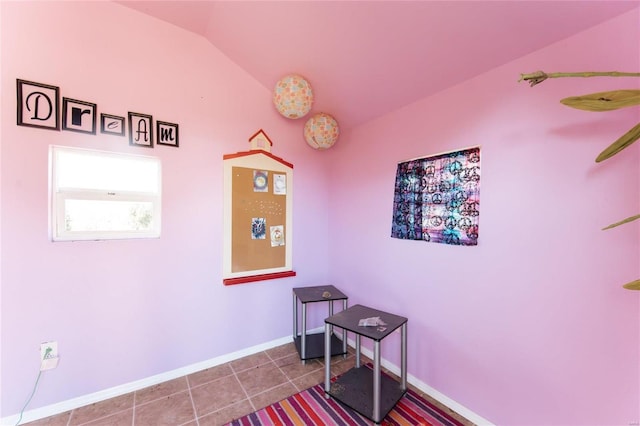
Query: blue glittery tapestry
[[437, 198]]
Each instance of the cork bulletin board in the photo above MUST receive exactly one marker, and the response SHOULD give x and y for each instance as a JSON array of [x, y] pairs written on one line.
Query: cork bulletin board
[[258, 217]]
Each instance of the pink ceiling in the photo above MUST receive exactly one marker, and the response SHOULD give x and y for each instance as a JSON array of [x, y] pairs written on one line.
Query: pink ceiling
[[367, 58]]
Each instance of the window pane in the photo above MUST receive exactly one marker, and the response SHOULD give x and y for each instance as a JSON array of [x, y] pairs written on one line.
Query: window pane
[[96, 215], [99, 195], [89, 170]]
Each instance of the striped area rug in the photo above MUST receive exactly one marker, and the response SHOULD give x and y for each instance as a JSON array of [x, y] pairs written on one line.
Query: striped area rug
[[310, 407]]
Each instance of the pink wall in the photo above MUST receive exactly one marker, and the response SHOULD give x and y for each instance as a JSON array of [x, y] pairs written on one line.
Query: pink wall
[[529, 327], [532, 326], [126, 310]]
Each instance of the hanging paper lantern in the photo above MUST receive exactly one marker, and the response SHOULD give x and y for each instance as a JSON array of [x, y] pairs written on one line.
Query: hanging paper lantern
[[321, 131], [293, 96]]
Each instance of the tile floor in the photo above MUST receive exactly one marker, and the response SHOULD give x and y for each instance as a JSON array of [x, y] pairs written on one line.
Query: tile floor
[[214, 396]]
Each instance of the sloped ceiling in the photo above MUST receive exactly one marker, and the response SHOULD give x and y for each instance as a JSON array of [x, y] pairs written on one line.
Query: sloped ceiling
[[367, 58]]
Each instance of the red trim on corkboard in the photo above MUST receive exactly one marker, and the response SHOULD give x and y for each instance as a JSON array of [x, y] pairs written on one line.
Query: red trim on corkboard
[[262, 277], [254, 152]]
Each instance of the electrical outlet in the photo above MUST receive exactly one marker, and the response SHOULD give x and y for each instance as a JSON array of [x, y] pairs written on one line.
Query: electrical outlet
[[48, 350], [48, 355]]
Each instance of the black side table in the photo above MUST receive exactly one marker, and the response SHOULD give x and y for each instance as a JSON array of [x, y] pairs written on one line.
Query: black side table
[[311, 346], [366, 391]]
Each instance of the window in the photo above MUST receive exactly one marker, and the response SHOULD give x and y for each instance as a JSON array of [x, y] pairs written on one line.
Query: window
[[97, 195]]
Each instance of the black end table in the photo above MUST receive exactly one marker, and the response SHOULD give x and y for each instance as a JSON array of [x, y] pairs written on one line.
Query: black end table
[[311, 346], [364, 390]]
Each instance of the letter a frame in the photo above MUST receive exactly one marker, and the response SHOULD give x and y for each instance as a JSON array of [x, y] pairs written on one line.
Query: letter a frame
[[38, 105], [140, 130]]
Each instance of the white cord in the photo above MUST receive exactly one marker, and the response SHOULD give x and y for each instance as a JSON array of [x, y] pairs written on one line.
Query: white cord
[[29, 400]]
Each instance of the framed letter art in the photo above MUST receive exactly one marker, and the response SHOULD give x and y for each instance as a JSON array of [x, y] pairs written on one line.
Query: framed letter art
[[112, 124], [78, 116], [38, 105], [140, 130], [167, 133]]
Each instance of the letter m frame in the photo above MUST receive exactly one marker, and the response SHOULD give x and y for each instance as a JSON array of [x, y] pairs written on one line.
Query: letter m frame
[[167, 133]]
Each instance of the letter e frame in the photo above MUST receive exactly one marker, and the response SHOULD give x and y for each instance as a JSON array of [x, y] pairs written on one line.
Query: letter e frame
[[111, 124], [140, 130], [166, 133], [38, 105]]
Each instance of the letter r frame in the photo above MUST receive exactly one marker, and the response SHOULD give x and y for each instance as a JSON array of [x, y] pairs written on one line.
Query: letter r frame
[[79, 116]]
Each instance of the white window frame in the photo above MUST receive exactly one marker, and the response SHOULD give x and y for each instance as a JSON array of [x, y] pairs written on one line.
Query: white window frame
[[59, 195]]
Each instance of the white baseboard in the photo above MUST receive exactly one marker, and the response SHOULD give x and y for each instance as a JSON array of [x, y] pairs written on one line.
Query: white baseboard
[[70, 404]]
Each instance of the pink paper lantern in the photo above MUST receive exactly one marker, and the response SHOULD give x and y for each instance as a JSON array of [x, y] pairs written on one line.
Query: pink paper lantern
[[321, 131], [293, 96]]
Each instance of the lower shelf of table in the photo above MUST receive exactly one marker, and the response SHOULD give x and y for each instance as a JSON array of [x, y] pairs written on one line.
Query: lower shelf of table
[[355, 389], [315, 346]]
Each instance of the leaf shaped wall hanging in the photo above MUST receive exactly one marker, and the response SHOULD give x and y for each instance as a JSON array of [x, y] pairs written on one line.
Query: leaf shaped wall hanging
[[599, 102]]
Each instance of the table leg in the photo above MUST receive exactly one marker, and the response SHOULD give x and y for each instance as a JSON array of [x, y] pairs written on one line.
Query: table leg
[[403, 364], [295, 316], [331, 313], [344, 332], [327, 360], [357, 350], [303, 341], [376, 381]]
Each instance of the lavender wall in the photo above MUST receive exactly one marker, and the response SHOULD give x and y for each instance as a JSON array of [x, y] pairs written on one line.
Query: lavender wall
[[127, 310], [531, 326]]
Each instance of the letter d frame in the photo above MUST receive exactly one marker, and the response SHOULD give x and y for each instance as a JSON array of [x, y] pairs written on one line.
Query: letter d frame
[[38, 105]]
